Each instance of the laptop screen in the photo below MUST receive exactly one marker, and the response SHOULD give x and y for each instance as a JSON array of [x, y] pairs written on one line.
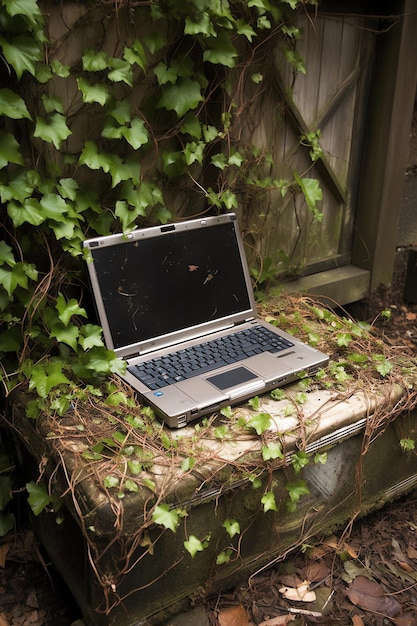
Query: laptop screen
[[158, 285]]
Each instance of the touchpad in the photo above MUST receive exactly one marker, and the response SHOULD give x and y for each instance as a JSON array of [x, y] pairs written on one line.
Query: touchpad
[[232, 378]]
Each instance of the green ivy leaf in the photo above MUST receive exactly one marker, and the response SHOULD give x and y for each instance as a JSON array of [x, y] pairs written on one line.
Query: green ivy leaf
[[201, 26], [300, 460], [90, 336], [166, 517], [297, 489], [110, 482], [28, 8], [136, 135], [272, 451], [39, 497], [224, 557], [9, 150], [16, 277], [67, 309], [343, 339], [194, 545], [6, 254], [260, 422], [182, 97], [312, 193], [30, 212], [46, 376], [136, 54], [232, 527], [65, 334], [121, 72], [268, 501], [22, 53], [95, 61], [12, 105], [221, 50], [56, 131], [93, 93], [384, 368]]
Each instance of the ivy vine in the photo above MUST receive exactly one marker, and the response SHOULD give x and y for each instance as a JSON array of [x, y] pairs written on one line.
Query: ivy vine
[[115, 115]]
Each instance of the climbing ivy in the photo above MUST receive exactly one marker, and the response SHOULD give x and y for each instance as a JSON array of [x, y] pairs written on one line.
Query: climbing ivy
[[115, 115]]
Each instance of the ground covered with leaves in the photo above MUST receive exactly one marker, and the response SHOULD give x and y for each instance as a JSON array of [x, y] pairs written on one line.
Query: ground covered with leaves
[[366, 575]]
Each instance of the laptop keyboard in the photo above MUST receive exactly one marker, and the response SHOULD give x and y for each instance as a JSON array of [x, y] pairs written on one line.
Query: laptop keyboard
[[208, 356]]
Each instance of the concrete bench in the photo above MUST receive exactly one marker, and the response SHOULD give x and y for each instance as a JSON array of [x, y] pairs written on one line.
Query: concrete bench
[[156, 520]]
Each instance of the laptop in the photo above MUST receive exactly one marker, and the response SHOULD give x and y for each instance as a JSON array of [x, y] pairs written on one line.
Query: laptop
[[176, 303]]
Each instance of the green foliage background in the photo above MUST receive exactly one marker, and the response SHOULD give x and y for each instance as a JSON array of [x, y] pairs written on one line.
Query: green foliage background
[[113, 115]]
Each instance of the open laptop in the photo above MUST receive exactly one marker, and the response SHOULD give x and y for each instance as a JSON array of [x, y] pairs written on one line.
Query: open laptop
[[176, 302]]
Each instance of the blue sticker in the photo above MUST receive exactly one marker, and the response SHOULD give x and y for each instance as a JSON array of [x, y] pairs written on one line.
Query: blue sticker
[[158, 393]]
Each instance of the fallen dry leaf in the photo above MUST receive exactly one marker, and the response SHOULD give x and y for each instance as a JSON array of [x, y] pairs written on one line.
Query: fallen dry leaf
[[234, 616], [411, 552], [357, 621], [369, 595], [300, 593], [411, 316], [282, 620], [3, 620]]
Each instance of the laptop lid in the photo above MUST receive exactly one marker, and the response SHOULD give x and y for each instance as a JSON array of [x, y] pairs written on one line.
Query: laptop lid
[[165, 284]]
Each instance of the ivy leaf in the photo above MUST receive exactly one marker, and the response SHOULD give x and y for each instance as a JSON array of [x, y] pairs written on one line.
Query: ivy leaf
[[28, 8], [93, 93], [39, 497], [221, 50], [90, 336], [56, 131], [272, 451], [9, 150], [12, 105], [182, 97], [110, 482], [21, 54], [30, 212], [260, 422], [384, 368], [94, 61], [46, 376], [343, 339], [193, 545], [6, 254], [219, 161], [52, 103], [268, 501], [67, 309], [203, 26], [53, 206], [300, 460], [65, 334], [16, 277], [312, 193], [193, 152], [121, 72], [165, 74], [166, 517], [68, 188], [297, 489], [136, 135], [245, 29], [232, 527], [59, 69], [136, 54]]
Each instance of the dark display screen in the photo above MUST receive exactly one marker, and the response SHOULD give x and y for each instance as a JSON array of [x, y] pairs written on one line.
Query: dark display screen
[[159, 285]]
